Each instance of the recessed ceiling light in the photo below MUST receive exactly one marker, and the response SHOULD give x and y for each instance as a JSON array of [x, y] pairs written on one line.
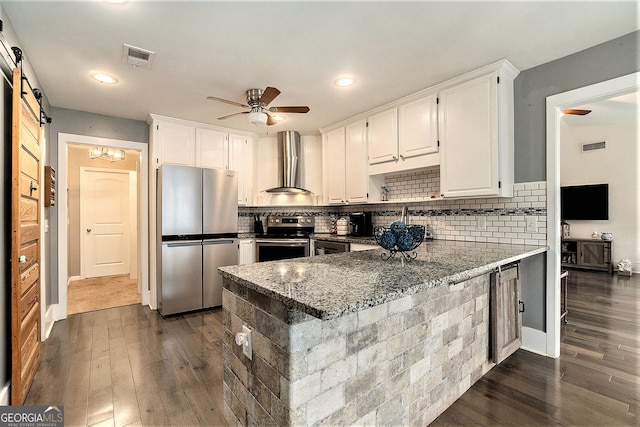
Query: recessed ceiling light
[[345, 81], [104, 78]]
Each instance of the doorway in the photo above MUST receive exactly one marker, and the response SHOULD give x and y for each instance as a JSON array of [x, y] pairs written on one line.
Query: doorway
[[555, 104], [73, 155], [102, 233]]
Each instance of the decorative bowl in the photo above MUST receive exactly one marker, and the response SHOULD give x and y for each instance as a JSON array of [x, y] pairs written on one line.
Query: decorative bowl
[[399, 237]]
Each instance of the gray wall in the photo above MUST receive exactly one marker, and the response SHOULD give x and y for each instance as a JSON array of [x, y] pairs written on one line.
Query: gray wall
[[603, 62], [615, 58], [88, 124]]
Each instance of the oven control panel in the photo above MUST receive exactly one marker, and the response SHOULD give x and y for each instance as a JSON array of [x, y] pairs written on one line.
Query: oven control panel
[[277, 221]]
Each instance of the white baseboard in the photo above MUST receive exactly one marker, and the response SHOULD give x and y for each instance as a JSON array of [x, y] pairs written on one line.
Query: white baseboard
[[47, 322], [534, 341], [72, 278], [5, 394]]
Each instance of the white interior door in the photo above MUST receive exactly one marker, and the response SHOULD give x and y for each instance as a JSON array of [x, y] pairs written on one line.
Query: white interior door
[[105, 222]]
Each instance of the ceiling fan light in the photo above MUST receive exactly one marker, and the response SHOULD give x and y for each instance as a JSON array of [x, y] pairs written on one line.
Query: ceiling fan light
[[257, 118]]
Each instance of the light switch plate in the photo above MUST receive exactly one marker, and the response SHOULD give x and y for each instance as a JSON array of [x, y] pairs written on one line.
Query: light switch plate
[[532, 224]]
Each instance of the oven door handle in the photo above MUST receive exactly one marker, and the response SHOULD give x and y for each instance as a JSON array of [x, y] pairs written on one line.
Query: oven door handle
[[283, 242]]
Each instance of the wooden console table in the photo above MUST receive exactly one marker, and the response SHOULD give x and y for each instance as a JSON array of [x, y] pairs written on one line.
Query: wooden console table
[[590, 254]]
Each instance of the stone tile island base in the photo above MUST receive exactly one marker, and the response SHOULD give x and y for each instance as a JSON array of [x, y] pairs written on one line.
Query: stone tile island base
[[402, 362]]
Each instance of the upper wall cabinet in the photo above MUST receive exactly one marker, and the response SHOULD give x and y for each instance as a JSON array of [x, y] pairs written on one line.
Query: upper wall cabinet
[[345, 166], [405, 137], [241, 160], [180, 142], [418, 127], [382, 136], [212, 149], [176, 144], [476, 134]]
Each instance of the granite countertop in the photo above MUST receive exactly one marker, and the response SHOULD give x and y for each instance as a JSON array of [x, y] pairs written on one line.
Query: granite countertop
[[330, 286]]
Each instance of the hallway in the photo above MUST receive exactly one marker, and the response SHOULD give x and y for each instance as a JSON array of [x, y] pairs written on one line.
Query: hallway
[[98, 293]]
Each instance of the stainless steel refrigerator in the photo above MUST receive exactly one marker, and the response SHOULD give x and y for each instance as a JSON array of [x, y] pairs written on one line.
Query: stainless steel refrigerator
[[197, 217]]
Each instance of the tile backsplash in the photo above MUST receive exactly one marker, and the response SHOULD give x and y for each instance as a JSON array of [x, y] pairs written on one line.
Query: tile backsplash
[[497, 220]]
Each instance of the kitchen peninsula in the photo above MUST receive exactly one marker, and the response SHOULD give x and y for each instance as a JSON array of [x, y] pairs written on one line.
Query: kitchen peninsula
[[350, 338]]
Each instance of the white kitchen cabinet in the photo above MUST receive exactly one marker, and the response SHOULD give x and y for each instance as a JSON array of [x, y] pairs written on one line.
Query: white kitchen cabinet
[[334, 165], [180, 142], [416, 144], [241, 160], [246, 251], [212, 149], [176, 143], [418, 127], [476, 134], [356, 179], [382, 136], [345, 166]]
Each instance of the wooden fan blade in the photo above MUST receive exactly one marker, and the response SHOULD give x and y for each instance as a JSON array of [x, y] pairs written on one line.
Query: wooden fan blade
[[234, 114], [226, 101], [298, 109], [576, 112], [270, 120], [269, 94]]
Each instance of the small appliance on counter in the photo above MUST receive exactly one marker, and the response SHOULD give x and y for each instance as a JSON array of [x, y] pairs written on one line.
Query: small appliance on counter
[[361, 223]]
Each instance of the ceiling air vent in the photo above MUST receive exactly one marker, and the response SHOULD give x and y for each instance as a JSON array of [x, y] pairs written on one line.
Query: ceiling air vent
[[594, 146], [137, 57]]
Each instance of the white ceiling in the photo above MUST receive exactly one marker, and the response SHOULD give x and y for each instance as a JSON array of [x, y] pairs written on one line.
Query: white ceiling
[[224, 48]]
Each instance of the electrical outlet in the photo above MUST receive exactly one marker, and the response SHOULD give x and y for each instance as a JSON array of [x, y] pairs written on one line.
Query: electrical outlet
[[244, 339], [532, 224], [248, 345], [481, 223]]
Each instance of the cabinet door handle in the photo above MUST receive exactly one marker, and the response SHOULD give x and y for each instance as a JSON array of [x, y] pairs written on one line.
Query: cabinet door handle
[[521, 307], [88, 230], [22, 259], [32, 188]]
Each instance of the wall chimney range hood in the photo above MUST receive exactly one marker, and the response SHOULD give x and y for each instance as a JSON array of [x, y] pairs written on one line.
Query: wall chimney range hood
[[288, 176]]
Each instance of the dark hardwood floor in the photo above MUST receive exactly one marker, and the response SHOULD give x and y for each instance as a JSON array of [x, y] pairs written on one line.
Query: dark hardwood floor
[[128, 366], [594, 382]]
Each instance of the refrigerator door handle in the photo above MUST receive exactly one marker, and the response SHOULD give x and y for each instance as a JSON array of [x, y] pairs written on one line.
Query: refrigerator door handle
[[185, 243], [218, 242]]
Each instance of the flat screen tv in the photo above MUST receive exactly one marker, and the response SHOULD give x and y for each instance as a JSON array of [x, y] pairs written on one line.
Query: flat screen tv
[[585, 202]]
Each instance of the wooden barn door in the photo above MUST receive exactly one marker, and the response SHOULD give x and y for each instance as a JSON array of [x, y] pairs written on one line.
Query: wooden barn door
[[25, 239]]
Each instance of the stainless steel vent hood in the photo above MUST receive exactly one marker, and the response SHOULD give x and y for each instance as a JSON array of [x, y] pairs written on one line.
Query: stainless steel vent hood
[[288, 176]]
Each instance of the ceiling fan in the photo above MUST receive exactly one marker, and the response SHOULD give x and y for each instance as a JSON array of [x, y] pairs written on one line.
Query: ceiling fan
[[257, 101], [576, 112]]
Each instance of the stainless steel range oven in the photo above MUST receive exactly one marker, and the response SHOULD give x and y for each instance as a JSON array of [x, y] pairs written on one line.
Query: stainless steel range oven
[[285, 237]]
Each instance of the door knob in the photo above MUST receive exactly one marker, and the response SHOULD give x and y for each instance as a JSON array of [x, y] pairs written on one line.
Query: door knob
[[22, 259], [88, 230]]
